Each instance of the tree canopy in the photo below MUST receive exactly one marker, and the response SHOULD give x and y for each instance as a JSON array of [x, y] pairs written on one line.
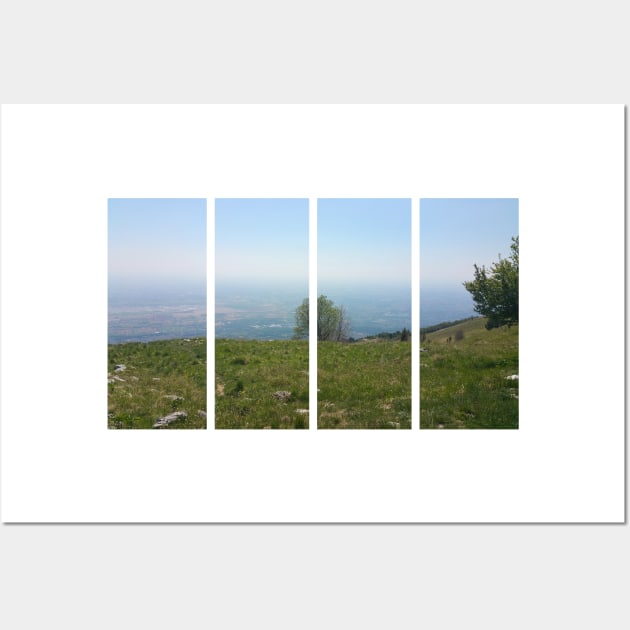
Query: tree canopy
[[495, 291], [332, 322]]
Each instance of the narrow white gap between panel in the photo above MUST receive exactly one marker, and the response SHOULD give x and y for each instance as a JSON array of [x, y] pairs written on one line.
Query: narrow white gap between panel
[[312, 314], [415, 314], [210, 309]]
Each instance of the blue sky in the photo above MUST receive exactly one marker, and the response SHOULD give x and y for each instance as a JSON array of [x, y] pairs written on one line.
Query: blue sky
[[261, 240], [456, 234], [364, 241], [157, 240]]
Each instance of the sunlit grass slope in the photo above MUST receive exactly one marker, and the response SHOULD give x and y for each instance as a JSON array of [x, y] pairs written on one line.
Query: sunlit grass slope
[[155, 379], [364, 385], [467, 377], [261, 384]]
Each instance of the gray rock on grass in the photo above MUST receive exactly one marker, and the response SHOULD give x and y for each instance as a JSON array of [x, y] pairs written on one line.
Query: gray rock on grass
[[165, 421], [282, 396]]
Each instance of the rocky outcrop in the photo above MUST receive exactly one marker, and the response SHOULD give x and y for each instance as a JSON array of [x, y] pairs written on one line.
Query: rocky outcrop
[[165, 421]]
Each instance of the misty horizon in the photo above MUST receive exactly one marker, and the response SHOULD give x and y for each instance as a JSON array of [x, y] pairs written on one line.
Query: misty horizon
[[268, 312], [157, 283]]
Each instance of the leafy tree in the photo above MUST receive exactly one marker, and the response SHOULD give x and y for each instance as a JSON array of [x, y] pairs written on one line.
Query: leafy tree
[[495, 291], [301, 321], [404, 335], [332, 321]]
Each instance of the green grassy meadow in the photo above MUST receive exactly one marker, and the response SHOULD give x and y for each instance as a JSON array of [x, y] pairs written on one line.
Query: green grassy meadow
[[249, 373], [464, 382], [158, 378], [463, 377], [364, 385]]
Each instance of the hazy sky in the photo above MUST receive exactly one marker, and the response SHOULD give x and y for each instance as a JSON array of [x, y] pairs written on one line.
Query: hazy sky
[[157, 240], [456, 234], [261, 240], [364, 241]]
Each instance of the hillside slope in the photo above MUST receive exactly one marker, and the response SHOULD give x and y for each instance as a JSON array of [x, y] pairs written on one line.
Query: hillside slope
[[469, 377]]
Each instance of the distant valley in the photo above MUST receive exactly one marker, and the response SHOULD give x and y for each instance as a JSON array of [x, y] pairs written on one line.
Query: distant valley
[[257, 313], [154, 313], [269, 313]]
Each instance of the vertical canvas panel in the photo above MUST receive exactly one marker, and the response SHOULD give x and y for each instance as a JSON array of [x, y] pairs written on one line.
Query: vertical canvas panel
[[261, 314], [469, 314], [364, 313], [156, 373]]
